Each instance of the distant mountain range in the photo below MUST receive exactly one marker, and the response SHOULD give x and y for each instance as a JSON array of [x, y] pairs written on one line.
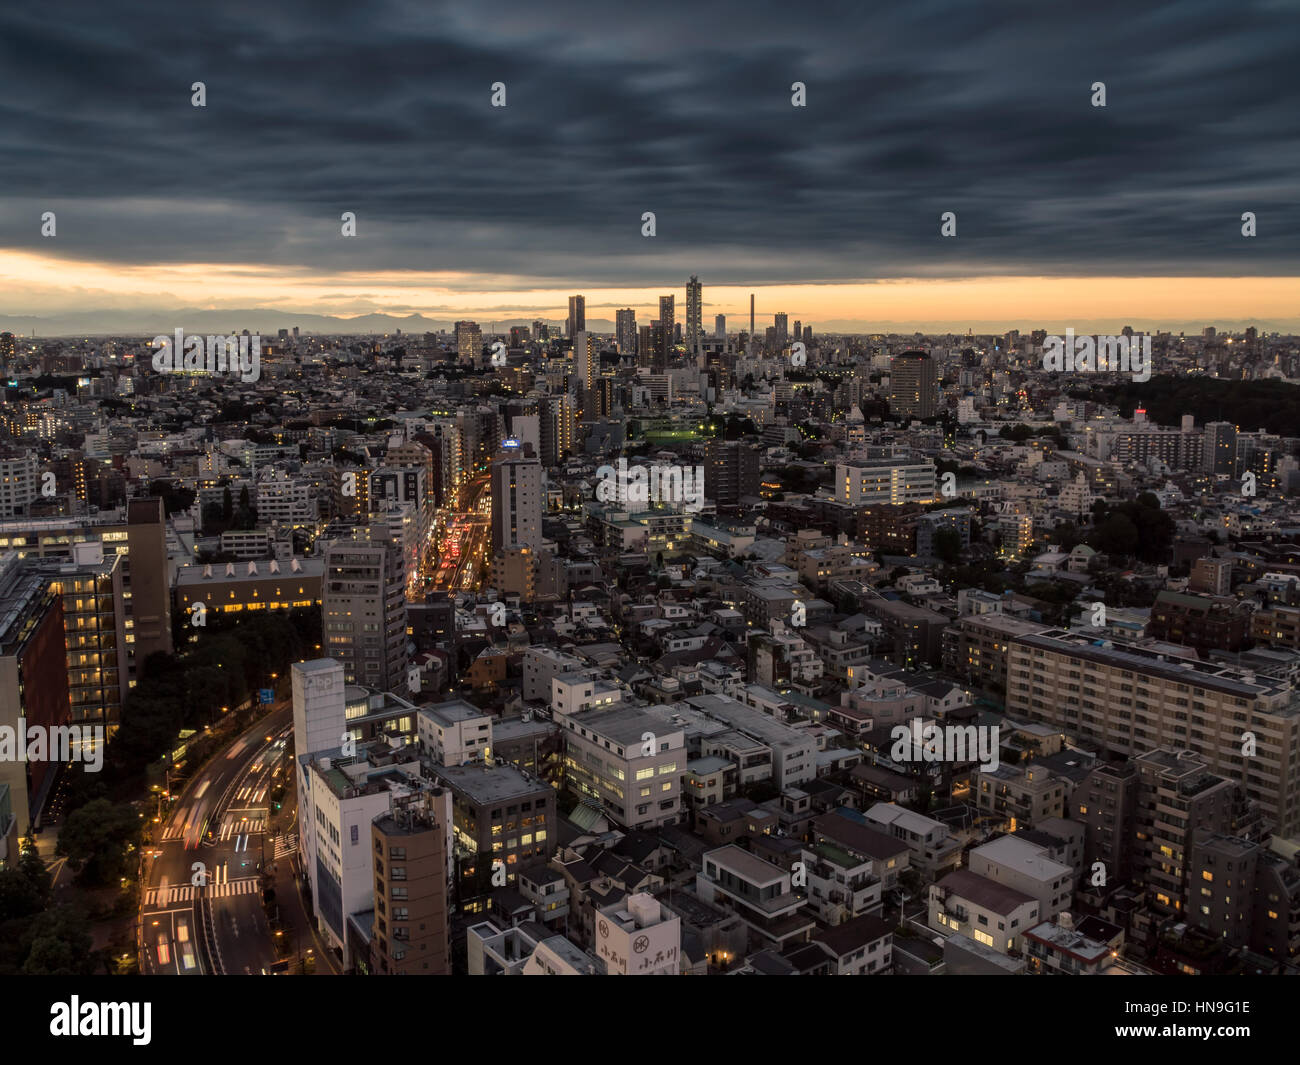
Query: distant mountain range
[[267, 323]]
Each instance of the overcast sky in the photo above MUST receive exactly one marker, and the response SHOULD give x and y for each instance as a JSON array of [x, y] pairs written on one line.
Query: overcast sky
[[684, 109]]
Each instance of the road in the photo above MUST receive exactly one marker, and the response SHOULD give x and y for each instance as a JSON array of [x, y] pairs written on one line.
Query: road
[[463, 547], [201, 895]]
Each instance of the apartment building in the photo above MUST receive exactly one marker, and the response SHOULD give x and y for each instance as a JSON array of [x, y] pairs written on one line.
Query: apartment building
[[840, 884], [931, 846], [993, 914], [410, 883], [1022, 795], [1028, 867], [884, 481], [454, 732], [757, 891], [499, 813], [1130, 699], [1245, 894], [628, 761], [793, 752]]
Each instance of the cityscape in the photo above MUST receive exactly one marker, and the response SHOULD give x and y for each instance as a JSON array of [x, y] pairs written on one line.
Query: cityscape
[[706, 603]]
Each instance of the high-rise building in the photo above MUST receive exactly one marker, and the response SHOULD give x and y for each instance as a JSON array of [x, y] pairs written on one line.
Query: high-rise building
[[586, 360], [516, 499], [782, 325], [33, 677], [1069, 682], [149, 579], [751, 315], [720, 327], [730, 472], [668, 320], [577, 322], [469, 342], [20, 482], [913, 386], [6, 348], [625, 331], [363, 611], [1219, 452], [694, 314], [557, 415], [409, 856]]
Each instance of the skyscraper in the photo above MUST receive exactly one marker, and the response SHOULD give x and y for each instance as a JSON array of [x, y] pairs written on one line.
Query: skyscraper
[[363, 610], [751, 314], [586, 360], [469, 341], [625, 331], [694, 313], [720, 327], [667, 319], [1219, 454], [577, 315], [516, 499], [782, 324], [913, 386]]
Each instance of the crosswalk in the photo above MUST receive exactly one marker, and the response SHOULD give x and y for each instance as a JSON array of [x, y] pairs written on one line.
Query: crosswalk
[[286, 845], [235, 826], [166, 895]]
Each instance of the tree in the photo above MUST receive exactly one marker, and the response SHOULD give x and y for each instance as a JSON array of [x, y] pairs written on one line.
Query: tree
[[96, 838], [947, 545], [59, 943], [227, 504]]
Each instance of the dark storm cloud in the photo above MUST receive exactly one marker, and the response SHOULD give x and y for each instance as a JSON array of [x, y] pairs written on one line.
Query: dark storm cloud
[[680, 109]]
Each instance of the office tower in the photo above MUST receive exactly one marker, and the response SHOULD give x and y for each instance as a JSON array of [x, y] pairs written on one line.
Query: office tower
[[516, 500], [577, 316], [409, 856], [6, 348], [363, 611], [645, 351], [540, 329], [730, 472], [33, 676], [913, 386], [798, 329], [625, 331], [150, 582], [519, 336], [469, 342], [668, 320], [720, 327], [586, 360], [782, 324], [751, 315], [1219, 453], [807, 335], [694, 314], [1210, 332]]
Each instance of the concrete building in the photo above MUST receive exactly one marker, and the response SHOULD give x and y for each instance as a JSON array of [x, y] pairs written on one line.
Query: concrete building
[[1131, 699], [628, 762]]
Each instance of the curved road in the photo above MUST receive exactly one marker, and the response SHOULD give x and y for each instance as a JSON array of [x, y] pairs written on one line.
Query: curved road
[[201, 894]]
